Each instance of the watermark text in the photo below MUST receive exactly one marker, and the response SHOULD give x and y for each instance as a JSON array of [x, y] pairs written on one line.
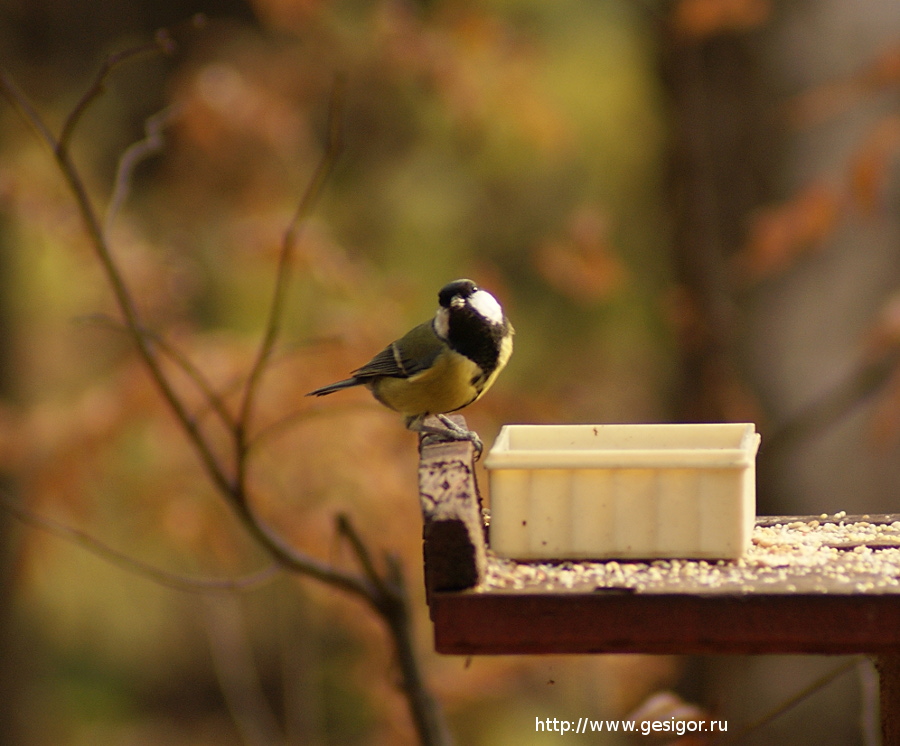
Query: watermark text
[[674, 726]]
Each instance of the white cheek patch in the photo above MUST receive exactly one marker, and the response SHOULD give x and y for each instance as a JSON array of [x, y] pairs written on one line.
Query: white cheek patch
[[486, 305], [442, 323]]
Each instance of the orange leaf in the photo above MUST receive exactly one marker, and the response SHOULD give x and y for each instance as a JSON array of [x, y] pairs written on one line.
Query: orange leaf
[[699, 19], [873, 164], [884, 70], [779, 236], [582, 264], [836, 96]]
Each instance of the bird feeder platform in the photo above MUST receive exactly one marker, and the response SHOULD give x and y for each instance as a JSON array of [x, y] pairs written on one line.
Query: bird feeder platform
[[825, 585]]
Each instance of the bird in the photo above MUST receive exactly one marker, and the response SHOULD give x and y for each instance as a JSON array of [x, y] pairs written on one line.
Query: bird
[[441, 365]]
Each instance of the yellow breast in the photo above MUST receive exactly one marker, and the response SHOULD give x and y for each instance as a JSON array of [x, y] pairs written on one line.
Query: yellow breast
[[446, 386]]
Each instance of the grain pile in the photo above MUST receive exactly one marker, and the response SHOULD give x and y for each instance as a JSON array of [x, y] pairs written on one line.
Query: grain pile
[[817, 555]]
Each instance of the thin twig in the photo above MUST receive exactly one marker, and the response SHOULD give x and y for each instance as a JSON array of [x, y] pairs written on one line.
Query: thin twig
[[234, 492], [426, 713], [238, 676], [346, 529], [120, 559], [213, 399], [123, 297], [133, 156], [323, 170], [385, 594], [393, 605], [394, 608], [788, 704], [291, 559], [161, 43], [21, 103], [292, 419], [862, 383]]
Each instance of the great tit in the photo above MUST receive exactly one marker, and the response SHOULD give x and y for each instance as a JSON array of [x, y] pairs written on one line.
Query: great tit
[[441, 365]]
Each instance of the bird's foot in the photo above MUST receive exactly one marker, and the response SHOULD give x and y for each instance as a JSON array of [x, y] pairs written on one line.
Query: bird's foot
[[457, 432], [450, 430]]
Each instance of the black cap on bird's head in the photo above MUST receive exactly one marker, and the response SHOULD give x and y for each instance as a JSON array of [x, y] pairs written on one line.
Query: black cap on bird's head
[[458, 289]]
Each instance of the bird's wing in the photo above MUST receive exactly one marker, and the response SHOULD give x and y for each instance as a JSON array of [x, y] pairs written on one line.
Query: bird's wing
[[414, 352]]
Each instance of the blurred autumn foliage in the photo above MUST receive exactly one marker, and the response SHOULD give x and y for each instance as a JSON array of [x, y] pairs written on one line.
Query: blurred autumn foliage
[[616, 173]]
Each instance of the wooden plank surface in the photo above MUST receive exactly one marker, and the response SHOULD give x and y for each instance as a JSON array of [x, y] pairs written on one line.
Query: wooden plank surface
[[806, 586], [472, 623]]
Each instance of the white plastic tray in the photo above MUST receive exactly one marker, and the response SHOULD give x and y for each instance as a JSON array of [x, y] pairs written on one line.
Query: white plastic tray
[[623, 491]]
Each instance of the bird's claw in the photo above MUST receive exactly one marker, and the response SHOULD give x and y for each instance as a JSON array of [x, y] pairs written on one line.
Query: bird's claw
[[461, 433], [452, 431]]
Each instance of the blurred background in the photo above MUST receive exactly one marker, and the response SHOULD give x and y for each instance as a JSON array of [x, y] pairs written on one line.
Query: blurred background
[[690, 210]]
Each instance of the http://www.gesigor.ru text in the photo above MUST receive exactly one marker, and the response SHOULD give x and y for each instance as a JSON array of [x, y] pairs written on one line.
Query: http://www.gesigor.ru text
[[644, 727]]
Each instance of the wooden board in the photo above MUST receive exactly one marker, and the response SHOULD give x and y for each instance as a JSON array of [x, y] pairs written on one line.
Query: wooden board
[[807, 585], [502, 623]]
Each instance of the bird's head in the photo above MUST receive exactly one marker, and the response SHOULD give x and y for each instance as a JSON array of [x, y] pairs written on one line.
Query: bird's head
[[463, 299]]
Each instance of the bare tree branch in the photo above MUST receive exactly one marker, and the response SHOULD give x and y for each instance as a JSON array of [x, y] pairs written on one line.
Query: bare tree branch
[[863, 382], [237, 674], [104, 254], [135, 154], [394, 607], [20, 102], [233, 490], [282, 424], [384, 593], [323, 170], [162, 43], [213, 399], [426, 712], [127, 562], [346, 529], [789, 703]]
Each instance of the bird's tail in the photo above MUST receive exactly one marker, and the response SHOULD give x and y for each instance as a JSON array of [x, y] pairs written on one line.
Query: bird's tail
[[332, 387]]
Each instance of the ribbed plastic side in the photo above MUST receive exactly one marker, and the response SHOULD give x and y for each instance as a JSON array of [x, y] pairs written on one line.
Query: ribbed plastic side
[[622, 513]]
